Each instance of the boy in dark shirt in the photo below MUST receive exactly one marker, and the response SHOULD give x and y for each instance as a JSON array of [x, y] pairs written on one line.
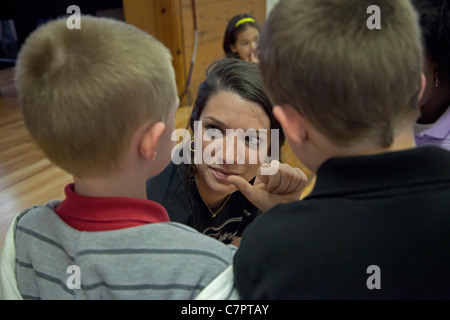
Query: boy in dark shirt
[[377, 224]]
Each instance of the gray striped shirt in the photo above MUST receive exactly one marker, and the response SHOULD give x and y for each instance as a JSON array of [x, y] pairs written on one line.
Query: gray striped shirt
[[154, 261]]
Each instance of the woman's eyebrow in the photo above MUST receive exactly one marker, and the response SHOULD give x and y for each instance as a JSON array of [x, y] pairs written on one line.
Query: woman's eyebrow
[[224, 126], [217, 121]]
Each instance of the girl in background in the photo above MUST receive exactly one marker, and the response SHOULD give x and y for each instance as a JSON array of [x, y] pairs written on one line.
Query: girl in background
[[241, 38]]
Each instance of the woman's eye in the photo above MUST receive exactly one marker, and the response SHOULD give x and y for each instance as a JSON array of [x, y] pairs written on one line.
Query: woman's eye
[[252, 141], [212, 130]]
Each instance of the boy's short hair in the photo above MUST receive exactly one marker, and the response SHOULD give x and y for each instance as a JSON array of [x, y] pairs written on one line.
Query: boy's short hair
[[84, 92], [352, 83]]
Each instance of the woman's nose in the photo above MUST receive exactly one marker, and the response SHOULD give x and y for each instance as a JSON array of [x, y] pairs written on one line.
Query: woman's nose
[[233, 152]]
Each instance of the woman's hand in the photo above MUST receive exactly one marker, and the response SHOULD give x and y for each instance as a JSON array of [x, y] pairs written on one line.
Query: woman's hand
[[236, 241], [252, 57], [267, 191]]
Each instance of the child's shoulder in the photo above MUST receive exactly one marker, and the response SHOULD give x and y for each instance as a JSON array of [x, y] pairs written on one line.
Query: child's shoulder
[[41, 222], [169, 254], [183, 236], [32, 215]]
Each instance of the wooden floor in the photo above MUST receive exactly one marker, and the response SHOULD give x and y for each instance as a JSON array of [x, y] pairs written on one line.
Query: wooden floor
[[27, 178]]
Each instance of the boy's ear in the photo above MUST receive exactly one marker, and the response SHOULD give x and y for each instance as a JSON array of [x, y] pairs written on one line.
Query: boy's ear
[[423, 84], [149, 140], [292, 122]]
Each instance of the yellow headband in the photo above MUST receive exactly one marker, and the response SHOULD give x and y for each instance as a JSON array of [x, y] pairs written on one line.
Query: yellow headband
[[244, 20]]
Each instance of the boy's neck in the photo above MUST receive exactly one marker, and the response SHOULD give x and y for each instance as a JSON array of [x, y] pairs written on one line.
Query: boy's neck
[[112, 185], [403, 140]]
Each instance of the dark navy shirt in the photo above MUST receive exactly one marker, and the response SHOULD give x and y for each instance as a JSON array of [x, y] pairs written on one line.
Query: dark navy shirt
[[374, 227]]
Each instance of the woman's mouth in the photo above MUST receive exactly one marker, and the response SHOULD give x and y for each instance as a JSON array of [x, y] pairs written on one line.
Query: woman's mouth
[[222, 174]]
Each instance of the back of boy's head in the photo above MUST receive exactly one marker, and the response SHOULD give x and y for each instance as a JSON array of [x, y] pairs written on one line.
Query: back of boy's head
[[85, 92], [352, 83]]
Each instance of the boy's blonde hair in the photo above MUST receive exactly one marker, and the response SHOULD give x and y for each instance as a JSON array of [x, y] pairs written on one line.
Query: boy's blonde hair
[[352, 83], [84, 92]]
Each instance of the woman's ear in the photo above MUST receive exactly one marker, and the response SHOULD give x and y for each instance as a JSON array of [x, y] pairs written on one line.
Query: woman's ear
[[149, 140], [292, 122]]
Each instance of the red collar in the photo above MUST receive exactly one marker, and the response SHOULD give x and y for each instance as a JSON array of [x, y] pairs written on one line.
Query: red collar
[[105, 214]]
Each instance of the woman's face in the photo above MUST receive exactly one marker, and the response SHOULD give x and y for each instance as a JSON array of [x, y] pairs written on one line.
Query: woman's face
[[235, 152], [246, 44]]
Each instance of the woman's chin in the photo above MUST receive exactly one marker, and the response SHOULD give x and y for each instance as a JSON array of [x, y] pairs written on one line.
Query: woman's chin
[[222, 187]]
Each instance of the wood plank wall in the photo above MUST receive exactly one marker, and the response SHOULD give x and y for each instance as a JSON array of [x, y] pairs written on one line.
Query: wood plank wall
[[172, 22], [160, 18]]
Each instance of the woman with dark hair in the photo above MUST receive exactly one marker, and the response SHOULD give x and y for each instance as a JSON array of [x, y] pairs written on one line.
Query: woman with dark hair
[[241, 38], [231, 103], [433, 126]]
